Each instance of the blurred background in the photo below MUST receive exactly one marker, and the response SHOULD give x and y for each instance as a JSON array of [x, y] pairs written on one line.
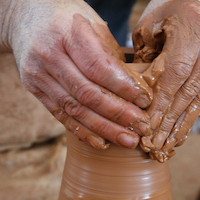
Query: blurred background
[[33, 143]]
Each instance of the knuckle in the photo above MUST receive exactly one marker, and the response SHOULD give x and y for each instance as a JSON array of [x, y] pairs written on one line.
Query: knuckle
[[102, 128], [182, 64], [93, 67], [117, 113], [165, 97], [184, 129], [41, 53], [191, 89], [96, 70], [72, 107], [26, 70], [168, 121], [182, 70], [195, 86], [31, 87], [38, 93], [88, 95], [62, 100], [29, 72], [59, 115]]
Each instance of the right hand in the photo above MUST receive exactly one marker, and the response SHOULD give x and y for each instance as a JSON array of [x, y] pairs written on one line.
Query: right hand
[[169, 31], [69, 60]]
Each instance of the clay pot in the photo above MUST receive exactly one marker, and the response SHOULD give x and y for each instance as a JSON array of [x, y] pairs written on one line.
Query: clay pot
[[116, 173], [113, 174]]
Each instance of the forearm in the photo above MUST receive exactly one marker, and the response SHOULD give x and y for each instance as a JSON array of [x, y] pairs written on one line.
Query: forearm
[[7, 8], [12, 13]]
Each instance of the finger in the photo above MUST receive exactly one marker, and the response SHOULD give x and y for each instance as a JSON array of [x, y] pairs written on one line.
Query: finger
[[181, 101], [167, 152], [180, 131], [177, 58], [181, 58], [161, 156], [97, 62], [73, 125], [88, 118], [183, 139], [171, 140], [97, 99], [138, 78], [191, 114], [146, 143]]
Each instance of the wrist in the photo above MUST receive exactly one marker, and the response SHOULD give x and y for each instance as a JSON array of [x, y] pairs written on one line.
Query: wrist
[[12, 13], [7, 10]]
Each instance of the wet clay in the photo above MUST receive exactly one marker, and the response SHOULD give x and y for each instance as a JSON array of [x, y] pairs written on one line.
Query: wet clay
[[171, 113], [144, 75], [148, 74], [115, 173]]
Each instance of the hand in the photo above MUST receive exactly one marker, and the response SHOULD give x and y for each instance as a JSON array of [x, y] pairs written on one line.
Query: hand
[[170, 32], [70, 61]]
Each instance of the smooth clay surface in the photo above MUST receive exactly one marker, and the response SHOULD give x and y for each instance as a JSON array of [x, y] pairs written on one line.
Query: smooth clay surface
[[115, 173]]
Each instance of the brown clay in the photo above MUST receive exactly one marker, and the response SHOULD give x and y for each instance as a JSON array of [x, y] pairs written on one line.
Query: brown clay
[[162, 33], [138, 67], [115, 173]]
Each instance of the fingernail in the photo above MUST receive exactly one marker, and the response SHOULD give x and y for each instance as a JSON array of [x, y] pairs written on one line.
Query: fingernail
[[143, 102], [128, 141], [144, 128], [156, 120], [97, 142]]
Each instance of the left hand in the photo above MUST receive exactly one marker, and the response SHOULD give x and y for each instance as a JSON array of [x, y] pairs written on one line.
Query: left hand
[[169, 31], [70, 61]]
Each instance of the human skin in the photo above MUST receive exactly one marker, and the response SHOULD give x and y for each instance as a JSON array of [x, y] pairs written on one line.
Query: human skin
[[168, 34], [68, 59]]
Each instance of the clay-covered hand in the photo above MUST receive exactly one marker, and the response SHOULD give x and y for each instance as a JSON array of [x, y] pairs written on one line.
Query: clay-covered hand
[[69, 60], [169, 31]]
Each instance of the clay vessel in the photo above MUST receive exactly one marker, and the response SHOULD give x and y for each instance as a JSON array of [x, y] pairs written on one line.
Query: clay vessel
[[113, 174]]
